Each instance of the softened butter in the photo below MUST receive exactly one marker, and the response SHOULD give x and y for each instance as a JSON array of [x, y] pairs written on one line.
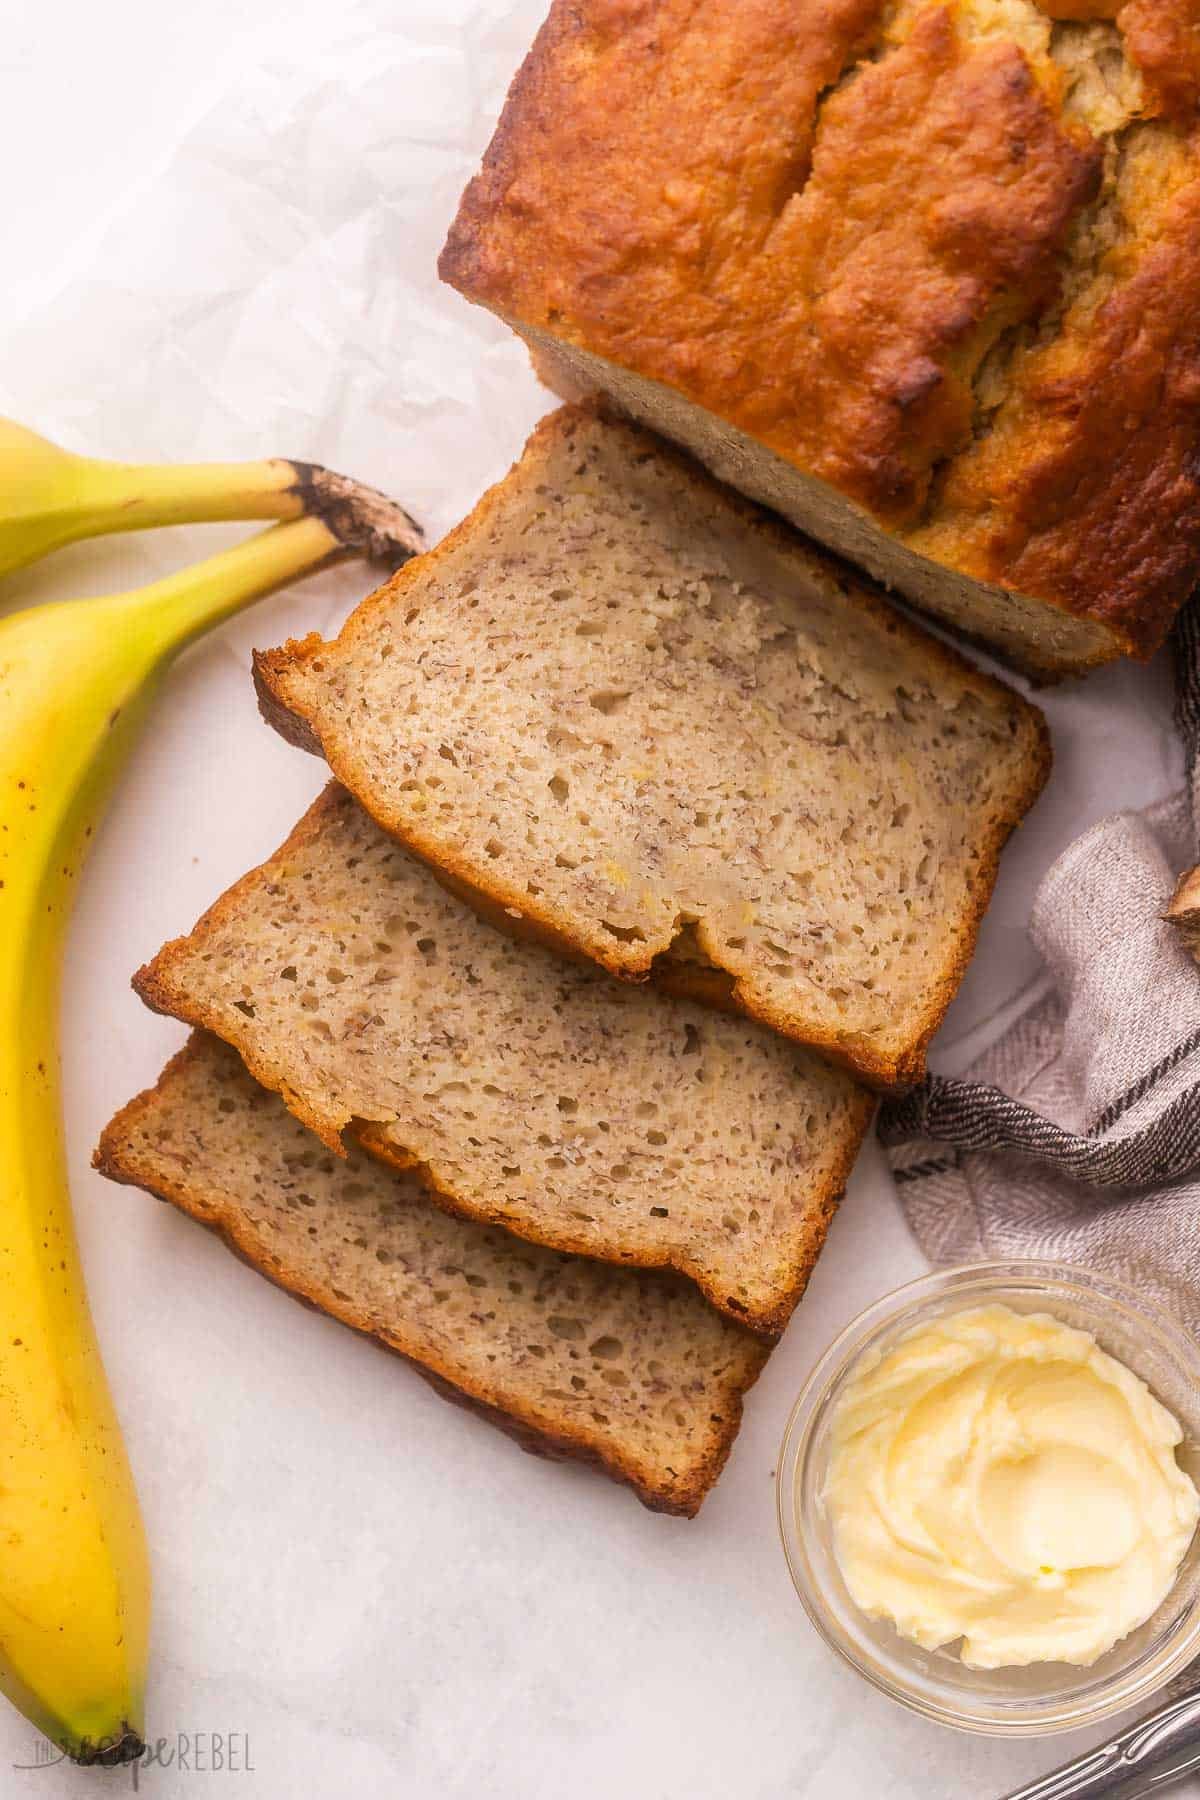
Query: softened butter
[[997, 1478]]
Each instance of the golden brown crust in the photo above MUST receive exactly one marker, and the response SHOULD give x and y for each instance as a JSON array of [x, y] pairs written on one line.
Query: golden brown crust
[[156, 986], [116, 1157], [691, 194], [1163, 38], [868, 284], [1088, 484], [508, 905]]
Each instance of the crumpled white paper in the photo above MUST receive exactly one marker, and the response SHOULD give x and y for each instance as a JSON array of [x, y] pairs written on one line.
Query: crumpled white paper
[[221, 230]]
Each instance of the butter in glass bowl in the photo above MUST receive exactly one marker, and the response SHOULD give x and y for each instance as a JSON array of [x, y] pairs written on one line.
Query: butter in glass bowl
[[987, 1494], [999, 1482]]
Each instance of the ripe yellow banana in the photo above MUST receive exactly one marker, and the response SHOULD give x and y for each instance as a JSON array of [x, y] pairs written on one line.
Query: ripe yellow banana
[[74, 682], [50, 497]]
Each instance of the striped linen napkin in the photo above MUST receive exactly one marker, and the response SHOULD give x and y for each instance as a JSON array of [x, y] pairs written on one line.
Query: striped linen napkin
[[1076, 1136]]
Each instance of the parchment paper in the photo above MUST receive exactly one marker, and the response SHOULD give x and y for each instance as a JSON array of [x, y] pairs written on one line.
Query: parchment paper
[[220, 234]]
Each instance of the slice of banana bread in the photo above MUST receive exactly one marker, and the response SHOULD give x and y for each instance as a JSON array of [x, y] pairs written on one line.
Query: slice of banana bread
[[626, 1369], [619, 706], [533, 1093]]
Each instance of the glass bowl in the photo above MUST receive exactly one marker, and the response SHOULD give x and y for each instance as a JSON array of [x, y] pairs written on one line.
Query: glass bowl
[[1016, 1702]]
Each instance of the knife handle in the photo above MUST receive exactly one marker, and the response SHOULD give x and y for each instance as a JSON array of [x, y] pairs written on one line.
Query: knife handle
[[1167, 1732]]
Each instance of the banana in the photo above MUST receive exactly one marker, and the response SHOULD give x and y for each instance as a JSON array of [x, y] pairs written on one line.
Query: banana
[[50, 497], [75, 680]]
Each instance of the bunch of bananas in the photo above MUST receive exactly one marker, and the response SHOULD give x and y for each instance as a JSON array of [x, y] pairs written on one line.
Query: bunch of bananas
[[75, 678]]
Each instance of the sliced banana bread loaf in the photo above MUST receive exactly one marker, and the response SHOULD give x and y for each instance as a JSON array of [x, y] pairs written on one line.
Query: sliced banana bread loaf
[[918, 273], [621, 707], [627, 1369], [538, 1094]]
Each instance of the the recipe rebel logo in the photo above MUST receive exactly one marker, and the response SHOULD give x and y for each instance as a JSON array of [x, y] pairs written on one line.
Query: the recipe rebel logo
[[189, 1752]]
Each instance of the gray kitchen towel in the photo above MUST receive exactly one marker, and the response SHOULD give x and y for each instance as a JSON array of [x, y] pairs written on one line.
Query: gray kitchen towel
[[1076, 1136]]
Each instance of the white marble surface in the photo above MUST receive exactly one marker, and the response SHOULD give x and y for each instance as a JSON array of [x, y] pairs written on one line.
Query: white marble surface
[[220, 241]]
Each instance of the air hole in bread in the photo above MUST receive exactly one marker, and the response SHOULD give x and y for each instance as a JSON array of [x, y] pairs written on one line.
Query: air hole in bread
[[608, 700], [625, 934]]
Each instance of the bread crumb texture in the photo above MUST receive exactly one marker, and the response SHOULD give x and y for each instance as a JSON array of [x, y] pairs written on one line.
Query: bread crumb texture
[[624, 708], [941, 258], [628, 1369], [535, 1093]]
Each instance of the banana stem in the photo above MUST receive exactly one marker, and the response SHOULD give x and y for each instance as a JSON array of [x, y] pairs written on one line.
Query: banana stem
[[48, 499], [192, 601], [122, 498], [130, 497]]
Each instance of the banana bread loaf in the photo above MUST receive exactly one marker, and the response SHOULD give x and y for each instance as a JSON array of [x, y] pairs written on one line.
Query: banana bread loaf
[[920, 276]]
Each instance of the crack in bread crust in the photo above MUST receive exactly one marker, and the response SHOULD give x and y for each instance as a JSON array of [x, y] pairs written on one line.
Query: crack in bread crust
[[1093, 446], [1159, 38]]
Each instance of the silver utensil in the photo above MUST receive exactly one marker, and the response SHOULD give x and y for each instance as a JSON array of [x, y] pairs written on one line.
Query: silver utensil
[[1163, 1777], [1127, 1763]]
